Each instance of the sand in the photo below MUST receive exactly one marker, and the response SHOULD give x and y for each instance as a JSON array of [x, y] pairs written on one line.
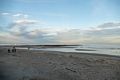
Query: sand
[[53, 65]]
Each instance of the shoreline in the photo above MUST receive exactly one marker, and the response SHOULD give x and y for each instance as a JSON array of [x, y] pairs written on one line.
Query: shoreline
[[77, 53]]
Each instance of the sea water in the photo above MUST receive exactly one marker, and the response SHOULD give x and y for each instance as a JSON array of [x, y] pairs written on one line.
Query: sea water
[[108, 49]]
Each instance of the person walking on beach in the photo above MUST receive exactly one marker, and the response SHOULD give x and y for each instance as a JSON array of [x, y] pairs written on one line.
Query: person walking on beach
[[14, 49], [8, 50]]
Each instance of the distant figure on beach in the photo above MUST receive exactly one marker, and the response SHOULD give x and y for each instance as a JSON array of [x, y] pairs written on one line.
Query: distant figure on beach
[[14, 49], [28, 48], [8, 50]]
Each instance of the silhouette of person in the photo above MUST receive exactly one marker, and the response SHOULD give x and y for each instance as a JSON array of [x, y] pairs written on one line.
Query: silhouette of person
[[14, 49], [8, 50]]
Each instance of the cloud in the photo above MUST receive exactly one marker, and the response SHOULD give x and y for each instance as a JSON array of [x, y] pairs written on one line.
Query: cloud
[[25, 21], [5, 13], [7, 38], [17, 15], [105, 26], [68, 36], [20, 26], [29, 31], [109, 25], [105, 33], [73, 36], [20, 15]]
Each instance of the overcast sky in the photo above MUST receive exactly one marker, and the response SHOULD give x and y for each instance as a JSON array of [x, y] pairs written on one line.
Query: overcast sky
[[59, 21]]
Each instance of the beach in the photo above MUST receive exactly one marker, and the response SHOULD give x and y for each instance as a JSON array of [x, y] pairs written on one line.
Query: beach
[[54, 65]]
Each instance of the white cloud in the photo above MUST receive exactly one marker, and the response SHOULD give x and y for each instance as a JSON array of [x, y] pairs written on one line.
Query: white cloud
[[26, 16], [109, 25], [20, 26], [17, 15], [12, 39], [67, 36], [25, 21], [5, 13], [29, 31], [20, 15], [105, 26]]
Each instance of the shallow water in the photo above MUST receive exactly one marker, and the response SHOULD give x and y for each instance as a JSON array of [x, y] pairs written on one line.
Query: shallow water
[[88, 48]]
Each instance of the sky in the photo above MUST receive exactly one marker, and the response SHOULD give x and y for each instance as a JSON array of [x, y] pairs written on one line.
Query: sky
[[59, 21]]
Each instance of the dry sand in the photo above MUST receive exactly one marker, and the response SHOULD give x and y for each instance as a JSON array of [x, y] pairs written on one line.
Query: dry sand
[[52, 65]]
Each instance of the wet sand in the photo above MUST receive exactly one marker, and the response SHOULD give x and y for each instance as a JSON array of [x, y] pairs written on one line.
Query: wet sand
[[53, 65]]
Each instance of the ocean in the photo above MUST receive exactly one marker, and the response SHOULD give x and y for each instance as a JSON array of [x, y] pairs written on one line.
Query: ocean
[[108, 49]]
